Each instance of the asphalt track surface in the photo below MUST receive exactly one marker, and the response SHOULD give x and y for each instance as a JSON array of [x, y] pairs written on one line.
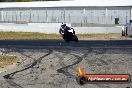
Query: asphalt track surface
[[53, 63]]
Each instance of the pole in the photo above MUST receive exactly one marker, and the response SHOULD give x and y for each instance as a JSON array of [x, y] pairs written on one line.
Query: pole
[[131, 13], [64, 15], [20, 17], [106, 14], [52, 18], [84, 11], [61, 17], [16, 15], [106, 17], [46, 16], [2, 15], [6, 16], [69, 18], [30, 16]]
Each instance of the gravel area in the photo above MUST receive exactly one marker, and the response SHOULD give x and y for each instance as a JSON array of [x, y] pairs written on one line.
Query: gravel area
[[56, 67]]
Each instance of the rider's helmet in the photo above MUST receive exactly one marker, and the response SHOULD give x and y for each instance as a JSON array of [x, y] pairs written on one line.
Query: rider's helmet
[[63, 25]]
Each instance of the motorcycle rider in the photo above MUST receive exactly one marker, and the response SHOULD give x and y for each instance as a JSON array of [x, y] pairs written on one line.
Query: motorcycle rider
[[61, 31], [68, 33], [64, 29]]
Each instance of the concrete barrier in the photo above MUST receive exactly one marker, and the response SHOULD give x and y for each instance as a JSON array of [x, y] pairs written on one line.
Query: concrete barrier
[[54, 28], [97, 30]]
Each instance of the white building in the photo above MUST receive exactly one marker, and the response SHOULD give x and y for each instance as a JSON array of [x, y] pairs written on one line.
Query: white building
[[90, 12]]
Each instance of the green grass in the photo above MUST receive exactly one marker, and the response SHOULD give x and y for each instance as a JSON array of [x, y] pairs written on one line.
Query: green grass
[[31, 35], [100, 36], [7, 60], [27, 35]]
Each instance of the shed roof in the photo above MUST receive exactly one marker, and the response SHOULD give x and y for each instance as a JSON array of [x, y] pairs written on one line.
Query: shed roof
[[76, 3]]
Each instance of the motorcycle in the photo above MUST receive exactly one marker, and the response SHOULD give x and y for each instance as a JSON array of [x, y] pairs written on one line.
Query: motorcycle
[[69, 35]]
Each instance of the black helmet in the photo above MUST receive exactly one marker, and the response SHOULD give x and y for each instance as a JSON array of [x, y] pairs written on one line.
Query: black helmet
[[63, 25]]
